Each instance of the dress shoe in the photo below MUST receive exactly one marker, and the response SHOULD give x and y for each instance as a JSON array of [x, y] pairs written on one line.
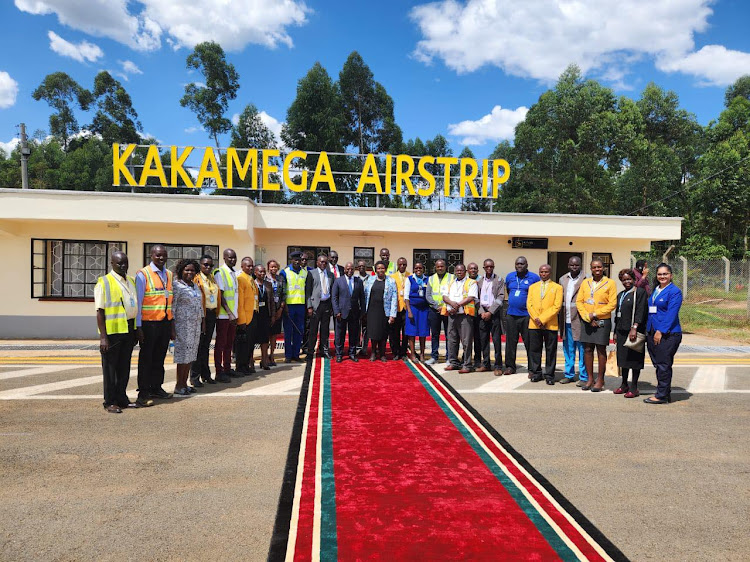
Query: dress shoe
[[231, 373], [223, 378], [465, 370], [266, 367], [208, 380], [567, 380], [482, 369], [197, 383], [550, 382], [160, 393], [596, 388], [537, 379], [144, 403], [450, 368], [383, 359], [339, 359], [372, 357], [653, 400], [182, 391], [509, 372], [272, 363], [632, 393], [498, 372], [354, 358], [192, 389], [621, 390], [113, 409]]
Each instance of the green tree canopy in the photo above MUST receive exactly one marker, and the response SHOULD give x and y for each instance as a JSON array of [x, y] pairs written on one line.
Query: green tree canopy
[[60, 91], [115, 119]]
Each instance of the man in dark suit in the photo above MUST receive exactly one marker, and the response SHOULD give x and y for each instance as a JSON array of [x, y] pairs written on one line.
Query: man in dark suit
[[333, 264], [318, 295], [348, 298]]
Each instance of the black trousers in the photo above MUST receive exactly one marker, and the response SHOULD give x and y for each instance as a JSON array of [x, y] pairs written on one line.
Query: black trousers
[[320, 321], [244, 345], [116, 367], [200, 367], [343, 325], [156, 336], [477, 346], [662, 356], [396, 335], [490, 329], [437, 322], [515, 326], [537, 339]]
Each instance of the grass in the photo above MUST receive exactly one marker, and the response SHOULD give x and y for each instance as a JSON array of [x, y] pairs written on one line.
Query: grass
[[716, 321]]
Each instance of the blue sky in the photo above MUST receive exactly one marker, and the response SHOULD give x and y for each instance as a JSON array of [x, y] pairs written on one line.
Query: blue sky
[[465, 69]]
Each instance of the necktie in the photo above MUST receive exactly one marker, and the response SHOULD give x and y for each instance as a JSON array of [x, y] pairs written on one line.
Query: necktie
[[351, 289], [324, 281]]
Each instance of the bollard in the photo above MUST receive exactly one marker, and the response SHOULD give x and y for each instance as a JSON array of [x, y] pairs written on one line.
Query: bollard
[[726, 273], [684, 277]]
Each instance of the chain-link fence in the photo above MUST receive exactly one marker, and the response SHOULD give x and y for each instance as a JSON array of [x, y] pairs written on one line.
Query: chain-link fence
[[716, 294]]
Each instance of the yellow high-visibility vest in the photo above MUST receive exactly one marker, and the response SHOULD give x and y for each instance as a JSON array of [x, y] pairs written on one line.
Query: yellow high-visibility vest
[[295, 286], [115, 316], [437, 286]]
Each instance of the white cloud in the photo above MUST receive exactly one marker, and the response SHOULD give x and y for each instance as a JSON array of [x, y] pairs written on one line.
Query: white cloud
[[183, 24], [272, 123], [129, 67], [100, 18], [713, 65], [8, 147], [540, 38], [235, 119], [499, 124], [8, 90], [191, 130], [82, 52]]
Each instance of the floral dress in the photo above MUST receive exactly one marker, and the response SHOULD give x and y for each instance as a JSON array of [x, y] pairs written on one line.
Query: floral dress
[[187, 310]]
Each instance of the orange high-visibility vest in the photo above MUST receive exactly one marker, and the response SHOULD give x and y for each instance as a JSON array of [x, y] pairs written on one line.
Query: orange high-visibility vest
[[157, 299]]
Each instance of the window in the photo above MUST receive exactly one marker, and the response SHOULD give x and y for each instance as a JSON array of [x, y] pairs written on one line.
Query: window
[[176, 252], [69, 268], [606, 260], [366, 255], [429, 257], [312, 253]]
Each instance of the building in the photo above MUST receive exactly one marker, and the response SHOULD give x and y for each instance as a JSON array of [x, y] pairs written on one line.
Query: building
[[59, 241]]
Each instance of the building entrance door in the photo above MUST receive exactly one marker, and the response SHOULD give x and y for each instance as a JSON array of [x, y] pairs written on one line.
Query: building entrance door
[[559, 262]]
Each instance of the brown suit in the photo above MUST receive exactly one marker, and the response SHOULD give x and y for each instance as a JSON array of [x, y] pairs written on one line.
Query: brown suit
[[575, 319]]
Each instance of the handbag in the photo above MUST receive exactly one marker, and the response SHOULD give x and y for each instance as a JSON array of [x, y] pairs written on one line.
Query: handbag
[[612, 370], [640, 339]]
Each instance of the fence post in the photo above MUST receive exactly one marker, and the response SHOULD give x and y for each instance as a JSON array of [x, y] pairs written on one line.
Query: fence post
[[726, 273], [684, 276], [748, 290]]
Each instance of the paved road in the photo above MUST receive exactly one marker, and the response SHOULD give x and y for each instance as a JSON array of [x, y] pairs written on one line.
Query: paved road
[[199, 478]]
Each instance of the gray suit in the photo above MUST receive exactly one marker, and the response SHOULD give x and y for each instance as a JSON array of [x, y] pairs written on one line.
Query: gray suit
[[321, 315], [492, 328]]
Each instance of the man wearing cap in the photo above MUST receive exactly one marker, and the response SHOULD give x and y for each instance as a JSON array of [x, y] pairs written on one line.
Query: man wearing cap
[[294, 313]]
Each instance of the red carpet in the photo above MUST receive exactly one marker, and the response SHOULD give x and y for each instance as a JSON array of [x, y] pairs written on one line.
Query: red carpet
[[388, 463]]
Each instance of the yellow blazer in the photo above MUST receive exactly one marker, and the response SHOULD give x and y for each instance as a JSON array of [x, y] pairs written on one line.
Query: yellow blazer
[[546, 308], [605, 299], [400, 288], [247, 295]]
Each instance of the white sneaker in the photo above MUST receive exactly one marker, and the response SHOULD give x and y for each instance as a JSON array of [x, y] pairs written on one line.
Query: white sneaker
[[430, 361]]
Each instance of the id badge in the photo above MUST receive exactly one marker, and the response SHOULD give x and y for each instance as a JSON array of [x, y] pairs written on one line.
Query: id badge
[[589, 301], [619, 314], [212, 299], [652, 309], [421, 292], [517, 293], [261, 304], [132, 301], [401, 292]]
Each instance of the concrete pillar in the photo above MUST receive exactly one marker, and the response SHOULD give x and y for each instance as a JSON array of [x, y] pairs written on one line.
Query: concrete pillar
[[726, 273], [684, 276]]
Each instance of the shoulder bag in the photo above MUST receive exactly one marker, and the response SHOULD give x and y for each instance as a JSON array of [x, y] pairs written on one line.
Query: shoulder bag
[[640, 339]]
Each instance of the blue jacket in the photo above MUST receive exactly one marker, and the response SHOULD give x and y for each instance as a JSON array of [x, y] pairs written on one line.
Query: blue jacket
[[390, 296], [666, 319]]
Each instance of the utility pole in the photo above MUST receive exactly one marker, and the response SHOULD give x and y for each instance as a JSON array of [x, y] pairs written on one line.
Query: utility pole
[[25, 152]]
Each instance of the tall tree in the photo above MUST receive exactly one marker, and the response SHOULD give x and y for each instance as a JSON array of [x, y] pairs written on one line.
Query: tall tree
[[60, 91], [210, 101], [469, 203], [314, 123], [115, 120], [438, 147], [741, 88]]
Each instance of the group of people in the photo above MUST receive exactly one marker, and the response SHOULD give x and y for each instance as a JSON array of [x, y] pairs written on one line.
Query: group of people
[[251, 306]]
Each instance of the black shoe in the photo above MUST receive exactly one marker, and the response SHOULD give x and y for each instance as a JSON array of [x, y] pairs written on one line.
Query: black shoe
[[250, 371], [396, 357], [223, 378], [354, 358], [192, 389], [209, 380], [326, 355], [143, 403], [182, 392], [197, 383], [550, 382], [339, 359], [536, 379], [232, 373], [160, 393]]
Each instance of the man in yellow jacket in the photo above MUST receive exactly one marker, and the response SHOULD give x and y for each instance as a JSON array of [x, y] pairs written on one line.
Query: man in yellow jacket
[[247, 306], [543, 303]]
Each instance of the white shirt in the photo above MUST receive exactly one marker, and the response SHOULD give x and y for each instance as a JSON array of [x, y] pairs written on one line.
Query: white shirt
[[220, 282], [407, 287], [129, 297], [456, 291], [487, 296], [569, 296]]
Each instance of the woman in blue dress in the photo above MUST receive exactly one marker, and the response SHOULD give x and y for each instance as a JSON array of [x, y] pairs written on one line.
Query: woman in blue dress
[[417, 308]]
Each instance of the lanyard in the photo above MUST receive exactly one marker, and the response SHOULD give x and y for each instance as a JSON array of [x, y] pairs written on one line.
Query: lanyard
[[261, 289], [594, 286]]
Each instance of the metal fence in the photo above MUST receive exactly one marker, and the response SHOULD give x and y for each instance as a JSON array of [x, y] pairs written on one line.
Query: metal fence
[[716, 292]]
